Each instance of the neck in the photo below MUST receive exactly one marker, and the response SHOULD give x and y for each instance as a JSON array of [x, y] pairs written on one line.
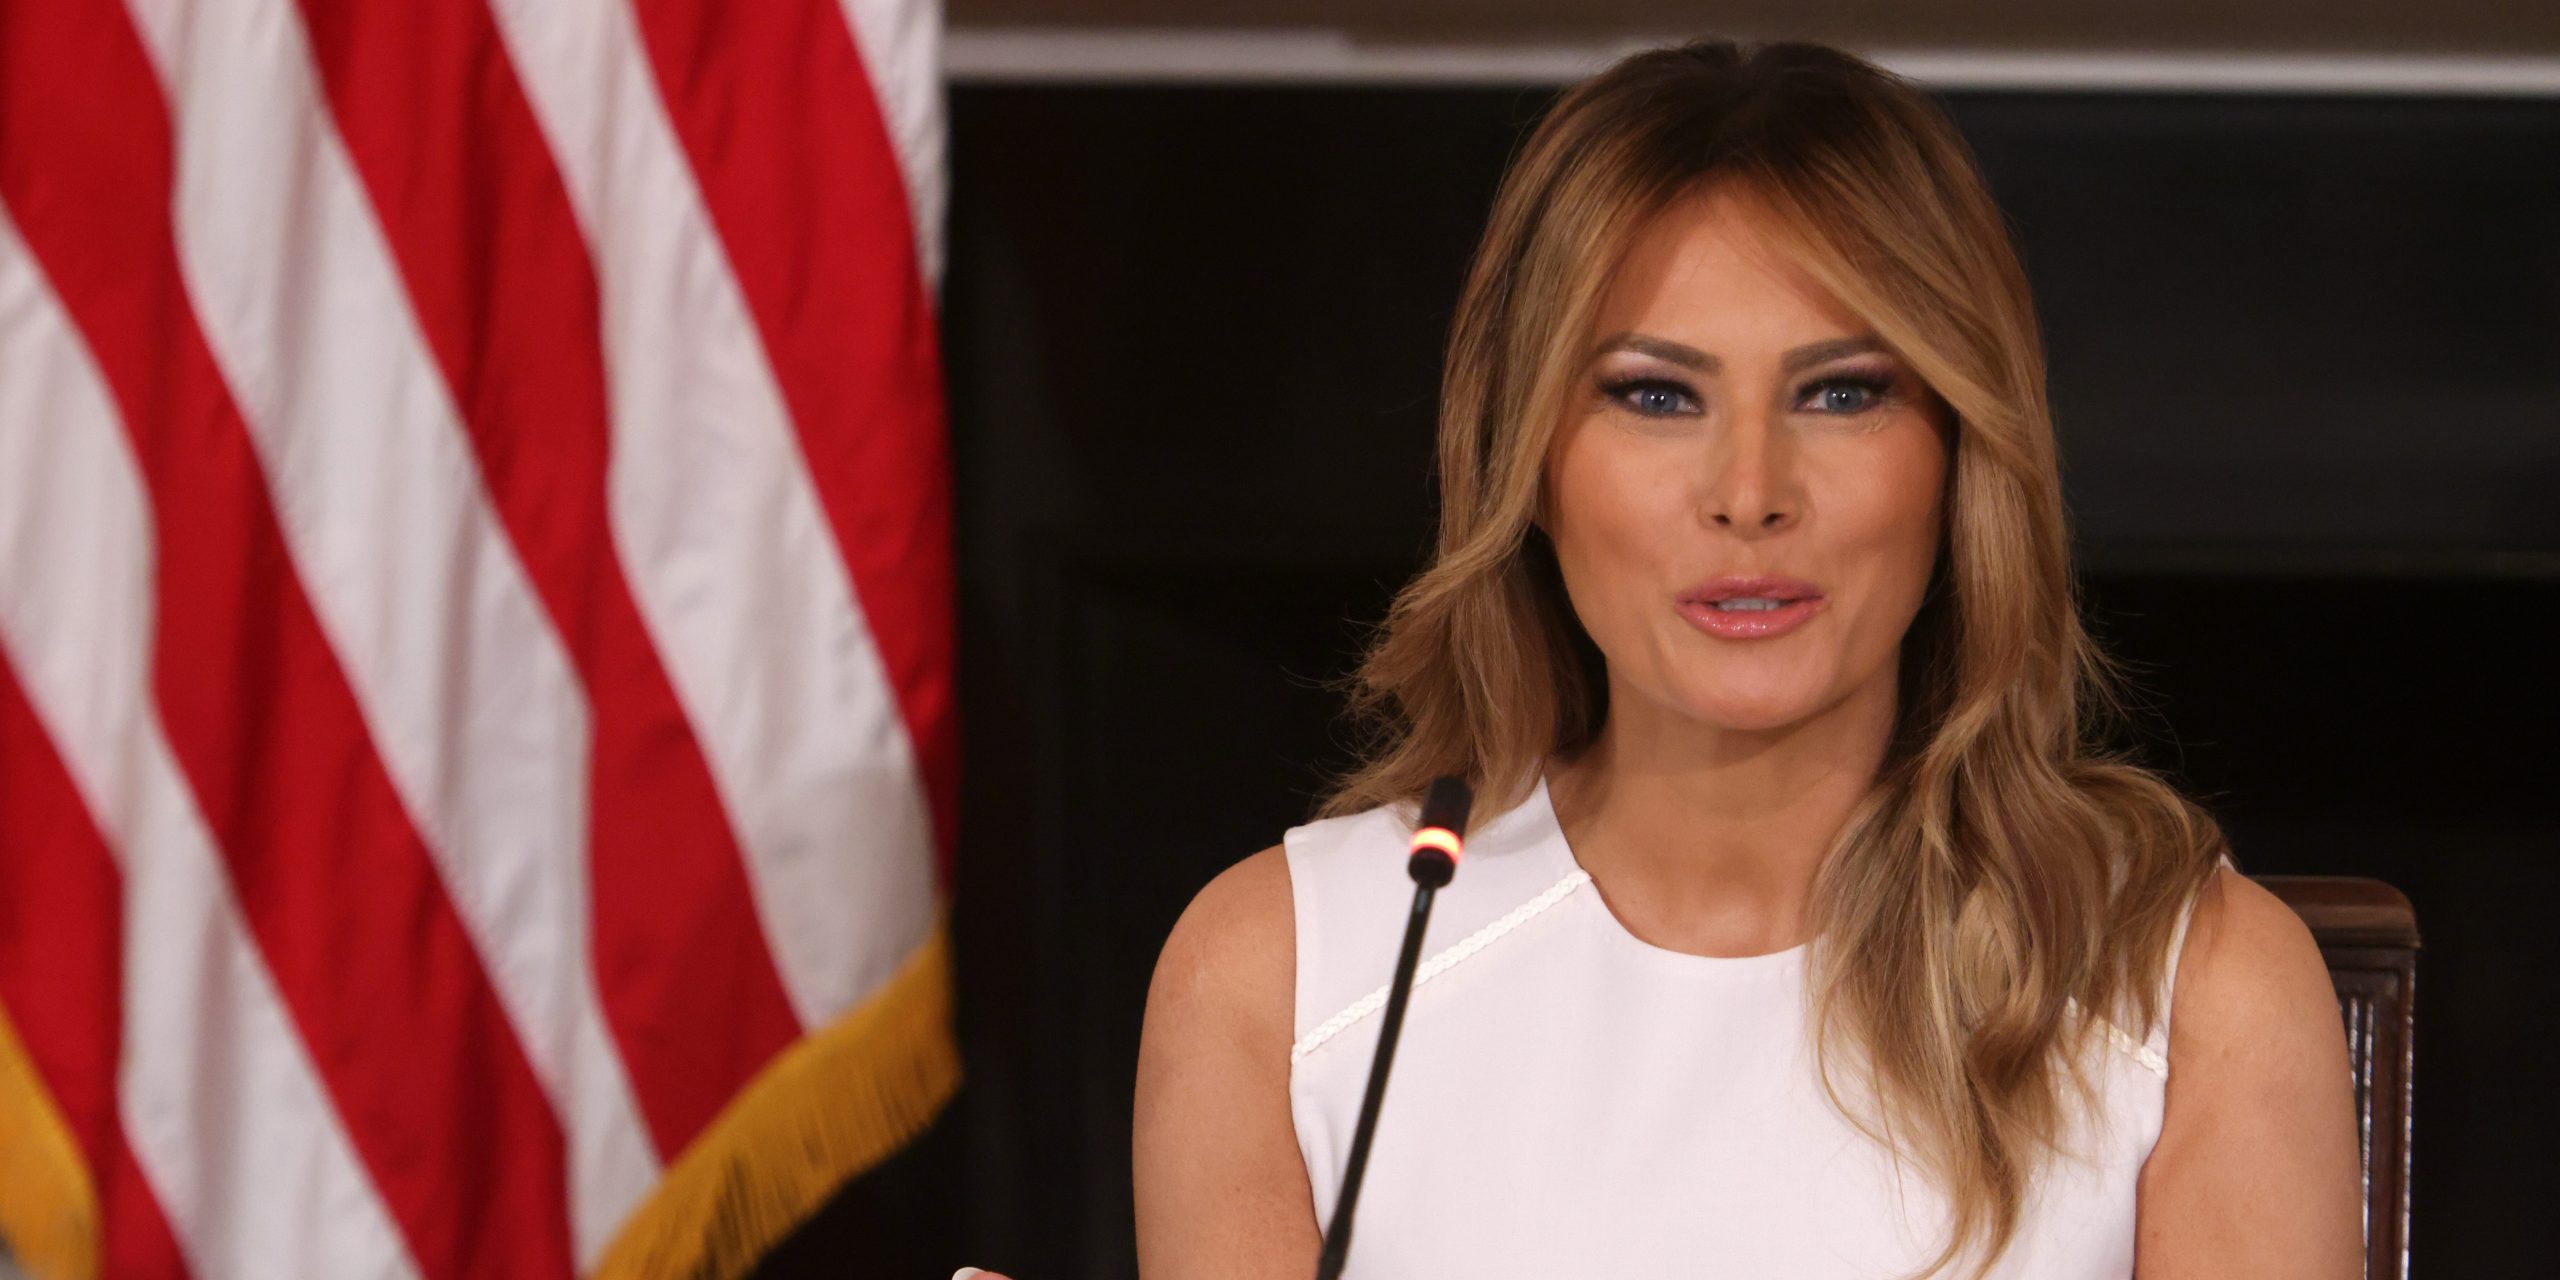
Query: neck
[[1705, 838]]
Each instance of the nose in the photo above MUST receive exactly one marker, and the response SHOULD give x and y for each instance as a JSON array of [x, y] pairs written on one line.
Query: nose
[[1752, 487]]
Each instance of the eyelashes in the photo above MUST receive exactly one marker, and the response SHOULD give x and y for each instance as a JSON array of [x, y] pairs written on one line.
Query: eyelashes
[[1647, 396], [1616, 391]]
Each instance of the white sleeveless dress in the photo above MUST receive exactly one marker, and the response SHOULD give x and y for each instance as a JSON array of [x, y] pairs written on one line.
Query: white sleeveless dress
[[1569, 1101]]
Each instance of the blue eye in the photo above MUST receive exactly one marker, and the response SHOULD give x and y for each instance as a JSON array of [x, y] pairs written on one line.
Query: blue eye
[[1850, 393], [1653, 397]]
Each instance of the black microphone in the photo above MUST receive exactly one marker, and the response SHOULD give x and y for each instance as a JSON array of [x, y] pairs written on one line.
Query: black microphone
[[1437, 840]]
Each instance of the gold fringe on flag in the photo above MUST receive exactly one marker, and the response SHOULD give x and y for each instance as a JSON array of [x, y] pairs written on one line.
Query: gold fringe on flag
[[835, 1103], [48, 1205]]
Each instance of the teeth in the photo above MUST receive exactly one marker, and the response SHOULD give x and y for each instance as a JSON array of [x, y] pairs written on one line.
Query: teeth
[[1748, 602]]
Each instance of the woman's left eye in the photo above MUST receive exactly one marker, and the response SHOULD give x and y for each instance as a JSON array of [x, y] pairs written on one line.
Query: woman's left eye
[[1850, 393]]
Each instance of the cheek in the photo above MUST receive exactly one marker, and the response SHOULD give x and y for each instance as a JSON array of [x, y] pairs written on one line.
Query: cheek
[[1891, 517], [1617, 519]]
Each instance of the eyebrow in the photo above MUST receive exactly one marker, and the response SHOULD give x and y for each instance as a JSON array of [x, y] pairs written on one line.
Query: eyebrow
[[1679, 353]]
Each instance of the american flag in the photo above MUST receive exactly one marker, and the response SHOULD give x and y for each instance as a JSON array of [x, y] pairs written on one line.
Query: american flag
[[477, 745]]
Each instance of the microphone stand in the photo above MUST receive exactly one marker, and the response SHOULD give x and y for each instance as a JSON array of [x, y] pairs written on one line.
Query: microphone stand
[[1433, 860]]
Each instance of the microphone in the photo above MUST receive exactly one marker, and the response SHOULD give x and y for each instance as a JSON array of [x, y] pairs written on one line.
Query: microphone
[[1432, 862]]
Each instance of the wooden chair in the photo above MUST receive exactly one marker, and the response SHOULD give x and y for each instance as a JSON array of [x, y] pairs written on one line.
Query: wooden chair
[[2370, 937]]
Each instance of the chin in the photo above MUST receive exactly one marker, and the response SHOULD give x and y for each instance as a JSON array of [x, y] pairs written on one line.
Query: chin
[[1751, 711]]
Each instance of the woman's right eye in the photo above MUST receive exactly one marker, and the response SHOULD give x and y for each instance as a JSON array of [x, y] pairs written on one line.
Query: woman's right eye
[[1648, 397]]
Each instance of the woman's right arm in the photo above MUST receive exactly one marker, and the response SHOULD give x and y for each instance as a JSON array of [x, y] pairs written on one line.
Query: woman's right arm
[[1221, 1188]]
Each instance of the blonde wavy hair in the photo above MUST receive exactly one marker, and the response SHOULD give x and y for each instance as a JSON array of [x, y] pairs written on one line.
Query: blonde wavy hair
[[2006, 864]]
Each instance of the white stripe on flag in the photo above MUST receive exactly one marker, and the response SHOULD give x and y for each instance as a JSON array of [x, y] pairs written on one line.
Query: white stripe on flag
[[901, 44], [466, 690], [222, 1106], [721, 534]]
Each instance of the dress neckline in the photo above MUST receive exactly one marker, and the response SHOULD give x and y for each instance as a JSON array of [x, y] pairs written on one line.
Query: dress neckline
[[1549, 836]]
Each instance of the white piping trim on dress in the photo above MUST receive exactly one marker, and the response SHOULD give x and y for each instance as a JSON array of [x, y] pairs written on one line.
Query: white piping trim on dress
[[1441, 963], [2142, 1053]]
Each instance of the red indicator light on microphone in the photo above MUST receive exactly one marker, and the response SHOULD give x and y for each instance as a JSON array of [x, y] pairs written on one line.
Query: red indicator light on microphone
[[1440, 838], [1432, 857]]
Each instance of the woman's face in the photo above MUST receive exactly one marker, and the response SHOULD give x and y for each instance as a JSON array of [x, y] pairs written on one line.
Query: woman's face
[[1735, 421]]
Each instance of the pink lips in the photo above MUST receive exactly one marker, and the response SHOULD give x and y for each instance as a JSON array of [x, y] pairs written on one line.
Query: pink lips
[[1700, 604]]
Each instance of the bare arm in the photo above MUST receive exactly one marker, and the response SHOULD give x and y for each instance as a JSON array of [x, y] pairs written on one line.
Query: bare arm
[[1221, 1188], [2256, 1173]]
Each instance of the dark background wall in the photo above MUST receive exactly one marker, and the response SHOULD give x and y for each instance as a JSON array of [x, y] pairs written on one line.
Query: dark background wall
[[2306, 363]]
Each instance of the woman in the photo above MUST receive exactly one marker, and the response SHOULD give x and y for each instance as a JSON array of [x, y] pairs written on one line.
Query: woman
[[1803, 931]]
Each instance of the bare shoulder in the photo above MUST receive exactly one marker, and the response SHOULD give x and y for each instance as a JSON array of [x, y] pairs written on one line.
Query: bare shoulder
[[1221, 1188], [2249, 965], [1233, 951], [2256, 1171]]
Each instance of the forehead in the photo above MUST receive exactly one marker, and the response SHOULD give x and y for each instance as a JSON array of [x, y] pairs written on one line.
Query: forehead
[[1717, 265]]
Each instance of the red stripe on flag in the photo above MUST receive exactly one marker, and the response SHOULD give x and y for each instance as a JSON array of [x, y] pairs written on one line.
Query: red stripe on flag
[[62, 977], [385, 990], [777, 115], [490, 250]]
